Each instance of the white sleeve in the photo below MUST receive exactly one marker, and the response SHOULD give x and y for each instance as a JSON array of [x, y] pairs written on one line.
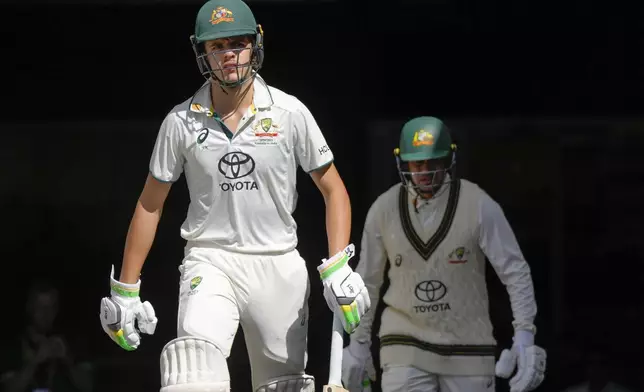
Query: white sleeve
[[371, 268], [166, 163], [311, 149], [498, 242]]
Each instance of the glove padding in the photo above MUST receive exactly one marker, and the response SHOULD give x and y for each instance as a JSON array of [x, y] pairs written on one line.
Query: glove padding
[[120, 312], [357, 366], [529, 361], [344, 290]]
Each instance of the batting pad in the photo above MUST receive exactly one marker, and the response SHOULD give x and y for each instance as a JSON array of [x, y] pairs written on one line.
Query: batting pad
[[296, 383], [192, 364]]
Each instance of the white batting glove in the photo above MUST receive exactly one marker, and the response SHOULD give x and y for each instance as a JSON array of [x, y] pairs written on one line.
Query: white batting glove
[[122, 309], [528, 359], [357, 366], [344, 290]]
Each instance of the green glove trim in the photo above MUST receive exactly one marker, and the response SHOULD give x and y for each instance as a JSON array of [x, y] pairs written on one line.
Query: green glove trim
[[120, 340], [125, 292], [351, 316], [333, 267]]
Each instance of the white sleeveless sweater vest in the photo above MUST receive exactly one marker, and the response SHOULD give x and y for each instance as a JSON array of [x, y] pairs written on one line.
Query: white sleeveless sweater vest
[[436, 305]]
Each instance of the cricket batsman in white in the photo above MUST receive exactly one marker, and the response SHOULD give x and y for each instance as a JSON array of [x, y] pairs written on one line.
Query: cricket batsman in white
[[239, 143], [428, 237]]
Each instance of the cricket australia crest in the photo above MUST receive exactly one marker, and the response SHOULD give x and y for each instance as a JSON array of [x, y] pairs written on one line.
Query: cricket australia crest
[[266, 131], [458, 255]]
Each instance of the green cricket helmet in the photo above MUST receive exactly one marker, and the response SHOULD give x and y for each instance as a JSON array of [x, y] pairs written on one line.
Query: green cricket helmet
[[226, 19], [426, 139]]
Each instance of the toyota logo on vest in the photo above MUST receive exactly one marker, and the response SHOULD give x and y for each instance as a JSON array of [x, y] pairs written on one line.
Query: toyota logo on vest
[[234, 166], [430, 292]]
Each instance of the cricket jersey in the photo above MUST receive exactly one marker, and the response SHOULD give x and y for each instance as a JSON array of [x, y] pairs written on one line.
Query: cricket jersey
[[436, 314], [242, 184]]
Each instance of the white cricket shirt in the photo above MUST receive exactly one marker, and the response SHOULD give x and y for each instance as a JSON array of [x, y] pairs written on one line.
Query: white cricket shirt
[[242, 185]]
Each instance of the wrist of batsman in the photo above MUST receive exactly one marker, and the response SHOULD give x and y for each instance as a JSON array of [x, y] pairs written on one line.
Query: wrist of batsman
[[125, 290], [337, 265]]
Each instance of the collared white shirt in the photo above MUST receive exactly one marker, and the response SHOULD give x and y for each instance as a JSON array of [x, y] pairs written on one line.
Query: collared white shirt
[[242, 184]]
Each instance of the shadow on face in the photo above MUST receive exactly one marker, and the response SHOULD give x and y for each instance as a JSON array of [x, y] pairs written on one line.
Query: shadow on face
[[428, 172], [230, 58]]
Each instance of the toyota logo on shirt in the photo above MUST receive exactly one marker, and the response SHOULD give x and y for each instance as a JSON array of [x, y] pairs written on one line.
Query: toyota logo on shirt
[[236, 165]]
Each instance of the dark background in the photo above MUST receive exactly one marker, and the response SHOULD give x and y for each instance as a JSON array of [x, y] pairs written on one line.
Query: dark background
[[543, 97]]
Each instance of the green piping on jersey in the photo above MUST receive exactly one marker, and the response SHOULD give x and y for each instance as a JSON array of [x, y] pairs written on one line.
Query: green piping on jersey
[[229, 134], [426, 249], [227, 131], [320, 167], [440, 349], [160, 180]]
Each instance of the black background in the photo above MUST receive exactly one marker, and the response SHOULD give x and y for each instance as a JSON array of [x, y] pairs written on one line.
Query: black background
[[544, 98]]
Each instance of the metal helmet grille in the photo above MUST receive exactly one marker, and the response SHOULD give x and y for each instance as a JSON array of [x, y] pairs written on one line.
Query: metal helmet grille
[[245, 71], [215, 69], [439, 177]]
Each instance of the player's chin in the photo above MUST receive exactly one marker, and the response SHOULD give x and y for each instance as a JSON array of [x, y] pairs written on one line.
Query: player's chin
[[233, 75], [232, 78], [425, 187], [424, 183]]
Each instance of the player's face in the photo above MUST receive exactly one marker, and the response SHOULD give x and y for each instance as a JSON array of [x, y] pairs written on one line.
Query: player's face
[[426, 174], [230, 58]]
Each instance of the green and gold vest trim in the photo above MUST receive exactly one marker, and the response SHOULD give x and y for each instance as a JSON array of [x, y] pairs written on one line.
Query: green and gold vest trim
[[439, 349], [426, 249]]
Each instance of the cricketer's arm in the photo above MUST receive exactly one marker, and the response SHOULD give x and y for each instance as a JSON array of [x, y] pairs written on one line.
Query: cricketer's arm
[[123, 315], [165, 167], [499, 244], [316, 158], [143, 227], [371, 267], [343, 290], [338, 207]]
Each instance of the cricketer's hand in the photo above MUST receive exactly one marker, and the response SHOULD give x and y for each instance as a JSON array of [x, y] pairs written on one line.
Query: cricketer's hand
[[344, 290], [528, 359], [121, 310], [357, 366]]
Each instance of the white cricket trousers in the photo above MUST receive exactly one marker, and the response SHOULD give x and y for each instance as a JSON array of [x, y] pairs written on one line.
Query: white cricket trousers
[[411, 379], [268, 295]]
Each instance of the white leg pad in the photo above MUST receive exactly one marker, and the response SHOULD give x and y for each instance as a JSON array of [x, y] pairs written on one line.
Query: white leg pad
[[192, 364], [295, 383]]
